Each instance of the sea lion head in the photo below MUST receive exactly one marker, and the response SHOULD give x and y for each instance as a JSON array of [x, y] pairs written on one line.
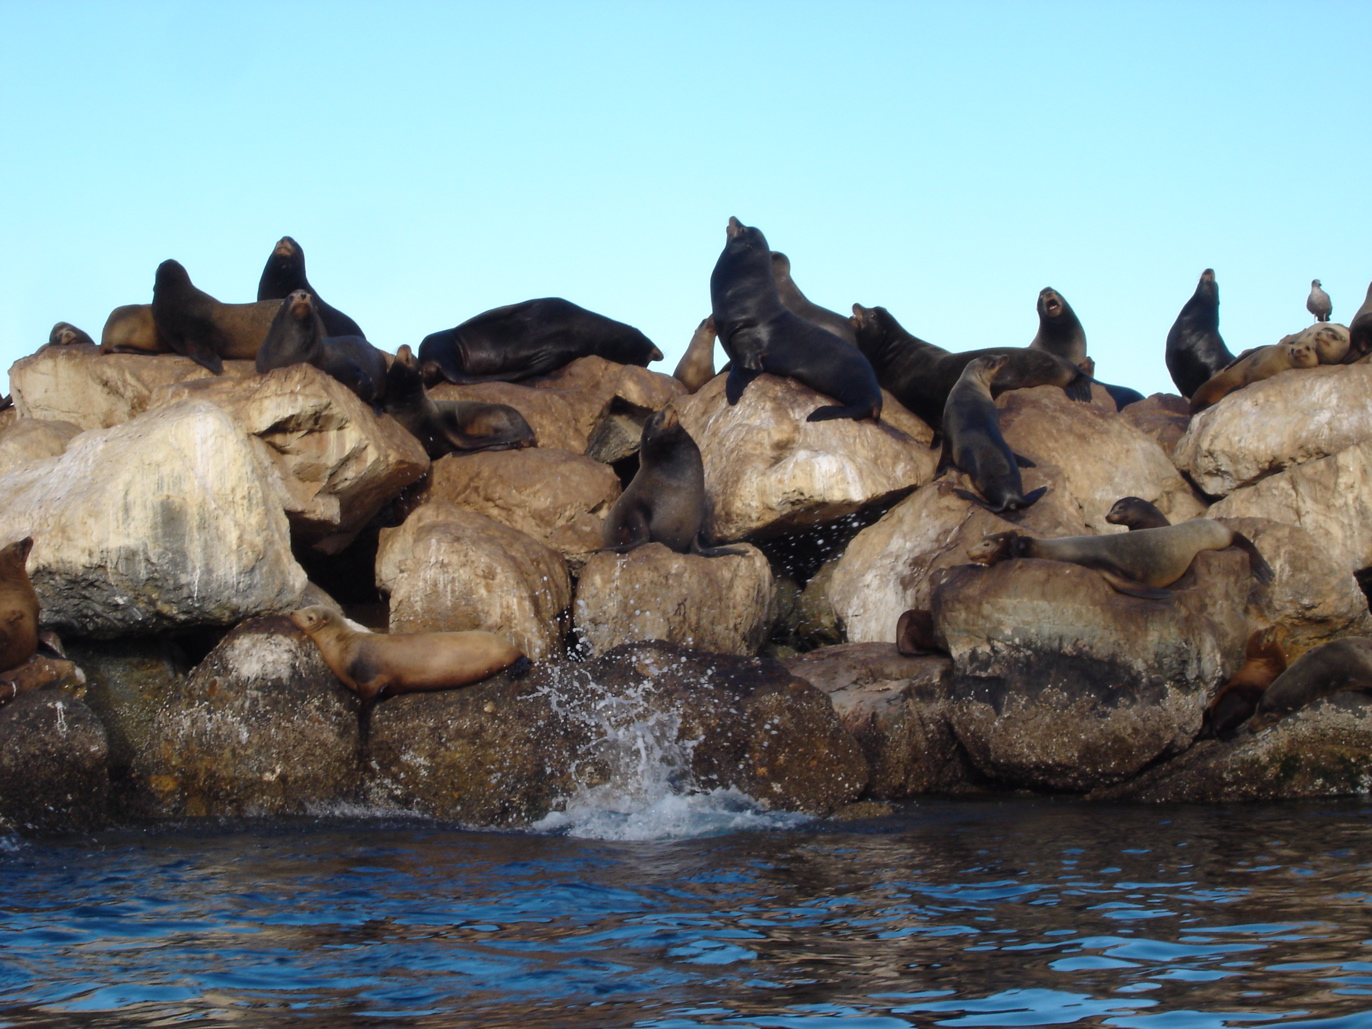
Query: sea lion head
[[63, 334], [1208, 287], [1050, 303], [1303, 354], [170, 274], [14, 557], [1136, 513], [405, 356], [984, 369], [998, 546], [747, 237], [315, 618], [301, 305], [286, 247]]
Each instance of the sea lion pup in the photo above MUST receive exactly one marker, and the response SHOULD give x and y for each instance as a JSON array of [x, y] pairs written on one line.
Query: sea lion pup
[[198, 326], [760, 335], [65, 334], [1360, 332], [1318, 302], [1060, 332], [665, 502], [285, 273], [973, 442], [448, 425], [296, 336], [1136, 513], [1344, 664], [1260, 363], [1195, 350], [130, 329], [697, 365], [534, 337], [798, 303], [1238, 699], [920, 375], [1138, 563], [916, 635], [18, 606]]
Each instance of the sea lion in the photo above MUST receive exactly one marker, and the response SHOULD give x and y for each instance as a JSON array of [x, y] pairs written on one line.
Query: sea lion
[[1360, 332], [916, 634], [448, 425], [920, 375], [798, 303], [1318, 302], [130, 329], [1238, 699], [1195, 350], [18, 606], [296, 336], [1138, 563], [1258, 364], [973, 442], [1136, 513], [65, 334], [1344, 664], [665, 502], [285, 273], [697, 365], [375, 665], [518, 341], [760, 335], [198, 326], [1060, 332], [1330, 340]]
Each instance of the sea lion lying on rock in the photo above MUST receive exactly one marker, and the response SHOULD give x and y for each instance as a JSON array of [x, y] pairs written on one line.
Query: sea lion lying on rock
[[1344, 664], [1136, 513], [1258, 364], [449, 425], [65, 334], [1238, 699], [130, 329], [296, 336], [1138, 563]]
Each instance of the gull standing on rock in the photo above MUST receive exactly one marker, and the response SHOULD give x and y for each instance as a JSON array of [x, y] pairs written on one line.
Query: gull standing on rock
[[1318, 303]]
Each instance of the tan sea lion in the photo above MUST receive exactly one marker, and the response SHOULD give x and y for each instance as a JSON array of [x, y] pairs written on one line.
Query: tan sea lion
[[131, 330], [197, 325], [697, 365], [1136, 513], [1344, 664], [1138, 563], [1237, 700], [1261, 363], [374, 664], [65, 334], [18, 606], [972, 441]]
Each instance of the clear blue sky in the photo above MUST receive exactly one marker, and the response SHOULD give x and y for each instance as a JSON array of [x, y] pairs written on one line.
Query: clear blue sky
[[945, 161]]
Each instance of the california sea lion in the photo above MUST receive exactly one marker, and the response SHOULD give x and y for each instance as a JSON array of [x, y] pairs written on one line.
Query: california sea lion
[[1260, 363], [1318, 302], [972, 441], [1330, 340], [1136, 513], [18, 606], [1195, 350], [697, 365], [1138, 563], [760, 335], [374, 664], [535, 337], [65, 334], [1060, 332], [1360, 332], [285, 273], [1238, 699], [1344, 664], [296, 336], [197, 325], [916, 634], [131, 330], [798, 303], [445, 426], [920, 375]]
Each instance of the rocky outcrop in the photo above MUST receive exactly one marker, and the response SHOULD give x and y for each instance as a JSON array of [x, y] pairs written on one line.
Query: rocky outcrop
[[32, 439], [53, 775], [1163, 416], [721, 604]]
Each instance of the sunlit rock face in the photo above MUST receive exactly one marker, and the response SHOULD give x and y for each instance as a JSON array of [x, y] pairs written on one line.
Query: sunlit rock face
[[1162, 416], [32, 439]]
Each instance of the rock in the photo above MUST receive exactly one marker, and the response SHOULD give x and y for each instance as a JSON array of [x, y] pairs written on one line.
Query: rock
[[720, 604], [32, 439], [1061, 683], [79, 385], [261, 727], [768, 471], [1288, 420], [894, 707], [558, 498], [165, 522], [53, 774], [818, 623], [1163, 416], [336, 462], [449, 570]]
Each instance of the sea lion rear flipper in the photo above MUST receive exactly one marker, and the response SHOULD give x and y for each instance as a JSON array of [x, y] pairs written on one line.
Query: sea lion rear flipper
[[1079, 389], [697, 547], [1261, 570], [738, 380], [1131, 587], [1032, 496], [1024, 462]]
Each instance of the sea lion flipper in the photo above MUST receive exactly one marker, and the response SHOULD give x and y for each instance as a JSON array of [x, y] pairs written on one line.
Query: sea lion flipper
[[1032, 496], [970, 496], [1024, 462], [1261, 570], [738, 380], [1079, 389], [202, 355], [697, 547], [1132, 587], [855, 411]]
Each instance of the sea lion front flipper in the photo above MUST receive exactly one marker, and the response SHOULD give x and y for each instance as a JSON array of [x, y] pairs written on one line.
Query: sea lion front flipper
[[738, 380], [1024, 462], [1132, 587], [1032, 496], [1261, 570], [203, 356], [1079, 389]]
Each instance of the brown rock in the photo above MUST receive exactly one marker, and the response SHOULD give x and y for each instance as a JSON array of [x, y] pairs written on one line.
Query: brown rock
[[1163, 416], [53, 774]]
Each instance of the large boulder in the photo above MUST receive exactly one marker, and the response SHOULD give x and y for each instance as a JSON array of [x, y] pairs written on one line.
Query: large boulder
[[32, 439], [53, 773], [449, 570], [769, 472], [1163, 416], [167, 521], [721, 604]]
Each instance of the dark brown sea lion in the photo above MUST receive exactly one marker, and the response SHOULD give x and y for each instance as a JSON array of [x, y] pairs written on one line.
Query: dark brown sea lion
[[449, 425], [534, 337], [65, 334], [1238, 699], [1318, 302], [285, 273], [375, 665], [1136, 513], [798, 303], [296, 336], [1195, 350], [1344, 664], [1254, 366], [760, 335], [197, 325], [697, 365], [18, 606], [1360, 332], [1060, 332], [1138, 563], [972, 441], [916, 634], [131, 330], [920, 375]]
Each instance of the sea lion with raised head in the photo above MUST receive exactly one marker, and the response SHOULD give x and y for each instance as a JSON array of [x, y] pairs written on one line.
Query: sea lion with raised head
[[1236, 701], [973, 443], [18, 606], [1136, 513], [1318, 302], [1258, 364], [1344, 664], [1060, 332], [798, 303], [375, 665], [760, 335], [296, 336], [697, 365], [444, 426], [285, 273], [198, 326], [1195, 349], [1139, 563]]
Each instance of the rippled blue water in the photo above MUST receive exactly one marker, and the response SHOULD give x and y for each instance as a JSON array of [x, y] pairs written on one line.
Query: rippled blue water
[[994, 913]]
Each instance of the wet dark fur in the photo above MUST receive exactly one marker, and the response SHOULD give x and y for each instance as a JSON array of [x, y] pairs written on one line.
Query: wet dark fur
[[195, 324], [1136, 513], [285, 273], [1195, 350], [445, 426], [296, 336], [798, 303]]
